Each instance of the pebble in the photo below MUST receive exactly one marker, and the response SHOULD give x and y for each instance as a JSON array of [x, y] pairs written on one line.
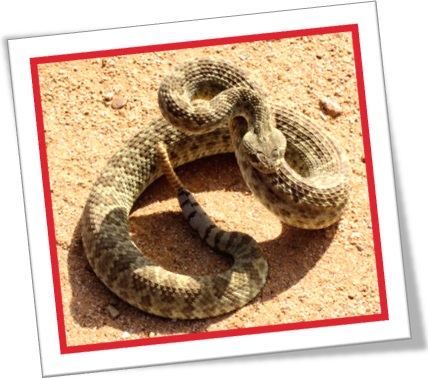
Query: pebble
[[332, 108], [118, 102], [126, 335], [114, 313], [108, 96], [152, 334]]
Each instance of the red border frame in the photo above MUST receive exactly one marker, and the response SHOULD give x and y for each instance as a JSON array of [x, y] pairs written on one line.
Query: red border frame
[[64, 349]]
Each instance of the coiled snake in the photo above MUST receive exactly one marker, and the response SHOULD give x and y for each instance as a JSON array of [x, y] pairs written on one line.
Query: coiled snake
[[294, 168]]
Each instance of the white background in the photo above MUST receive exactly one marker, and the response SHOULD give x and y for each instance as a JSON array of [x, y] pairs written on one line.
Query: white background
[[402, 37]]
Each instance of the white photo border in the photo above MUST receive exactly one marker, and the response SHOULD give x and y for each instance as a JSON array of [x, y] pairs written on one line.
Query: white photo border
[[56, 360]]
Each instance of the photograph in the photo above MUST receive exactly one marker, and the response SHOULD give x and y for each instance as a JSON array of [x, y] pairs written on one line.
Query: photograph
[[211, 188], [311, 221]]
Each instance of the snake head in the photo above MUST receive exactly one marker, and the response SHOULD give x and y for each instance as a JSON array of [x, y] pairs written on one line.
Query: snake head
[[265, 152]]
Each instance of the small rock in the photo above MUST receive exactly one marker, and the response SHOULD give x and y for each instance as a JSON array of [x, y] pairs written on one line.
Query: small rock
[[108, 96], [114, 313], [126, 335], [152, 334], [118, 102], [332, 108], [360, 247]]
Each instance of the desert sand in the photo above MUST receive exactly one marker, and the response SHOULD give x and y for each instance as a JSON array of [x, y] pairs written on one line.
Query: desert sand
[[314, 275]]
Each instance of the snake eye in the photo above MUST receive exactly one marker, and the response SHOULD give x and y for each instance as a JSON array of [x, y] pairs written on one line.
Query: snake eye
[[275, 154], [278, 153]]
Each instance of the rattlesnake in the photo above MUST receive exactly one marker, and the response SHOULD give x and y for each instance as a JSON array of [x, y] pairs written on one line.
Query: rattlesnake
[[290, 165]]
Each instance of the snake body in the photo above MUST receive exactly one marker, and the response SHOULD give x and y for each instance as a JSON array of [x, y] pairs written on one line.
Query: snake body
[[295, 169]]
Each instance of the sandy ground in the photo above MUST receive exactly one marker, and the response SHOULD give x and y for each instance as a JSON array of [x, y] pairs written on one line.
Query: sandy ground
[[314, 275]]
